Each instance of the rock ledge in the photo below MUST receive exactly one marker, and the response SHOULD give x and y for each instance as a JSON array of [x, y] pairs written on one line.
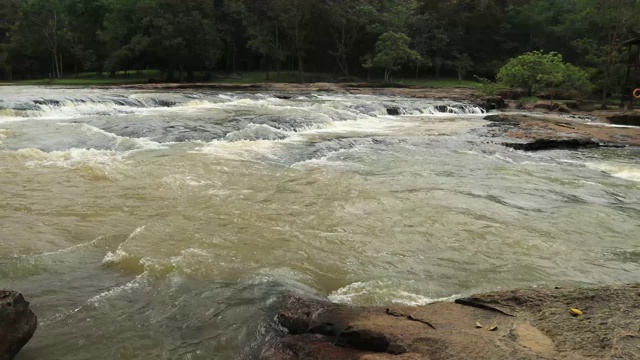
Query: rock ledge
[[517, 324]]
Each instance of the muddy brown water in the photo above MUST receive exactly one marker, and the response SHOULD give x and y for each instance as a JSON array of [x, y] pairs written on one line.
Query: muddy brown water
[[165, 225]]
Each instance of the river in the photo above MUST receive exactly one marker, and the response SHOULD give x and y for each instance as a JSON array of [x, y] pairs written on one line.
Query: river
[[171, 225]]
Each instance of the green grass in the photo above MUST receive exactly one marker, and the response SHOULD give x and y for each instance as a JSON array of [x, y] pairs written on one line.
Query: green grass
[[439, 83], [78, 82], [142, 77], [528, 100]]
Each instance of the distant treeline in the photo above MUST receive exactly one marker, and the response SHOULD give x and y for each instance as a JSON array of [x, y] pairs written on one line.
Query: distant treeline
[[342, 38]]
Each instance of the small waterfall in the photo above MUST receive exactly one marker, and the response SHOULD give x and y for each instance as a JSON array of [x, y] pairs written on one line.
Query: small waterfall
[[433, 108]]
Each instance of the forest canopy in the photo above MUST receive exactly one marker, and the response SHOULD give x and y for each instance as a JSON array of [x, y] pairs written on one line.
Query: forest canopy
[[341, 38]]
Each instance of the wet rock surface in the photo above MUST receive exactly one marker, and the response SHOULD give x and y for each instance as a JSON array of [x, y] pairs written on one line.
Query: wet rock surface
[[625, 119], [547, 132], [17, 323], [517, 324]]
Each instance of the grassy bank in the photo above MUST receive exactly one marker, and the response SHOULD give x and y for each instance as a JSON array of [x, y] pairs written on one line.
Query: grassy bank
[[92, 79]]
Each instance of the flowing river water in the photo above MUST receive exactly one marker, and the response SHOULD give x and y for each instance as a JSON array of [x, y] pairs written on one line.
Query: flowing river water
[[170, 225]]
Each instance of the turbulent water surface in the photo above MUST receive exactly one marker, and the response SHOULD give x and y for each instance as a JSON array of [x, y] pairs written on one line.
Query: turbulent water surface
[[165, 225]]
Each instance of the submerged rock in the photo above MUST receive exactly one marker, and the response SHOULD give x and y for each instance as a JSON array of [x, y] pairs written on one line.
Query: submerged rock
[[394, 111], [555, 144], [525, 324], [17, 323], [489, 103]]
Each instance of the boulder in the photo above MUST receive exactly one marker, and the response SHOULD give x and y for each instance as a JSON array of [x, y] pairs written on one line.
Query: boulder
[[555, 144], [17, 323], [524, 324], [492, 103], [394, 111], [625, 119]]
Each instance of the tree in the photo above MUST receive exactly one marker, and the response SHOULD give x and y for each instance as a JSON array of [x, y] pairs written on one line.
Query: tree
[[348, 21], [42, 24], [121, 35], [463, 64], [614, 19], [528, 69], [428, 39], [294, 16], [82, 33], [537, 71], [263, 31], [392, 51]]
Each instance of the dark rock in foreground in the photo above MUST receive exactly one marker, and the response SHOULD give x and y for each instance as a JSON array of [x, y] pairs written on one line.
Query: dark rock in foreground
[[518, 324], [554, 144], [17, 323], [489, 103], [625, 119]]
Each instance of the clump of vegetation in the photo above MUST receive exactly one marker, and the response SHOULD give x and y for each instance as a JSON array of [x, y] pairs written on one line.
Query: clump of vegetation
[[486, 87], [393, 51], [190, 40], [537, 71]]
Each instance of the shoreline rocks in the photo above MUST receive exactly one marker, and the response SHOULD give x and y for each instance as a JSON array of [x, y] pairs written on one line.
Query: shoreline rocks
[[547, 132], [515, 324], [17, 323]]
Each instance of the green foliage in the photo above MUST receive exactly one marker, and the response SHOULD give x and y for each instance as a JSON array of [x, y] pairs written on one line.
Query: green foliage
[[486, 87], [529, 70], [392, 51], [537, 71], [42, 38]]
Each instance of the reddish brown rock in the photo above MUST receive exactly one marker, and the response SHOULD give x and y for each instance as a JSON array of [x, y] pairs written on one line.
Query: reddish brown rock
[[528, 324], [554, 132]]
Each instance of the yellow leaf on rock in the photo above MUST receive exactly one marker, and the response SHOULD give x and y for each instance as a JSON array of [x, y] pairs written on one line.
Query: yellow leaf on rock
[[576, 312]]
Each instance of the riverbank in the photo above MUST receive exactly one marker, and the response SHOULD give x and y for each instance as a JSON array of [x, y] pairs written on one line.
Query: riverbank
[[513, 324]]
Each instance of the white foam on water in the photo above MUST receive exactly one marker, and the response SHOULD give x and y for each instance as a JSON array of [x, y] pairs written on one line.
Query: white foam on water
[[256, 132], [72, 158], [5, 133], [177, 180], [379, 292], [72, 248], [119, 255], [244, 150], [622, 171], [134, 144], [138, 282], [114, 257]]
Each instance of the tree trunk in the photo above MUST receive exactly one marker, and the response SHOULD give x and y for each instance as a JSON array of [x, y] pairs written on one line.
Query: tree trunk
[[345, 61], [265, 64], [54, 65], [170, 73], [233, 58], [301, 67]]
